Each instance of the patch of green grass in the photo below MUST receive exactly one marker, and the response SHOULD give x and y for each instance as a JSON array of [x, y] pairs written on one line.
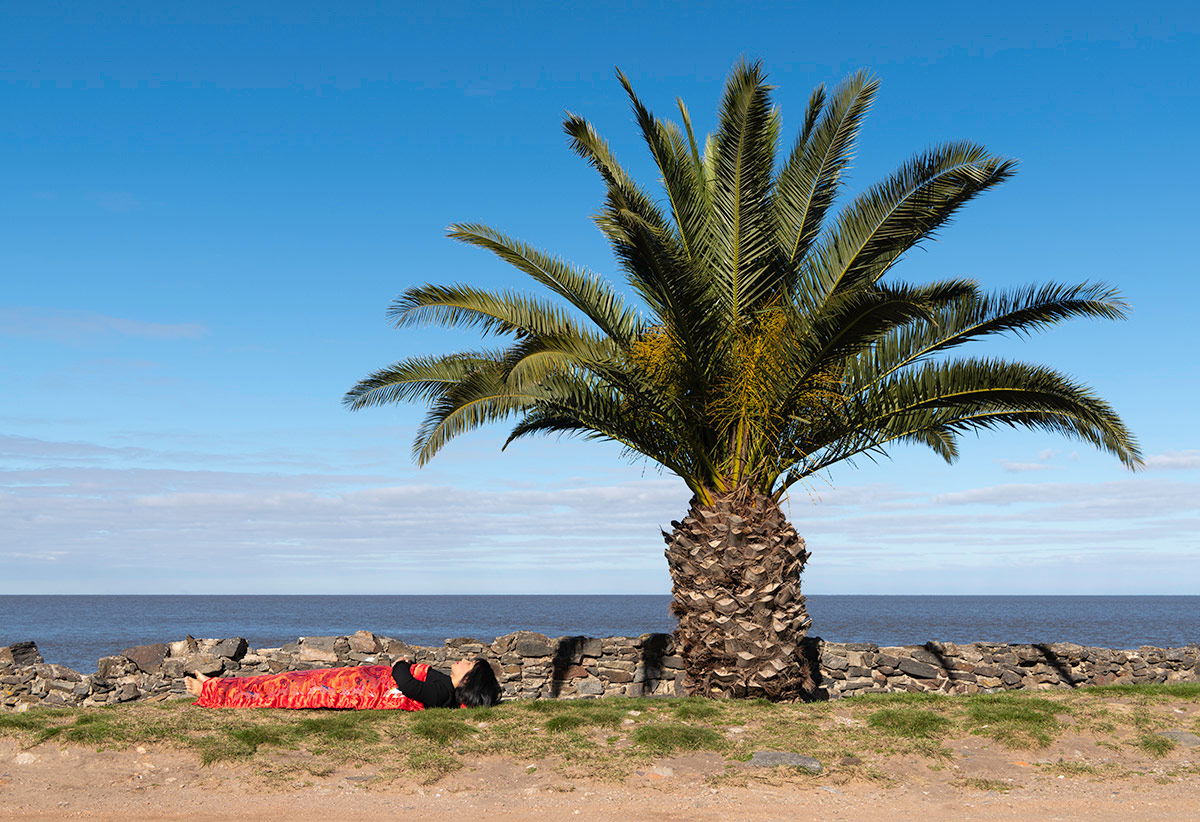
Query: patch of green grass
[[910, 723], [1155, 745], [1162, 690], [576, 714], [34, 720], [252, 736], [20, 722], [344, 727], [478, 714], [87, 729], [565, 722], [1015, 721], [440, 726], [666, 738], [220, 748], [904, 698], [588, 738], [92, 729], [697, 709], [431, 764], [591, 719]]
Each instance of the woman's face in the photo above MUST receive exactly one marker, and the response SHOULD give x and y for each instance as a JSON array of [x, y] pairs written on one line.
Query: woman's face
[[460, 669]]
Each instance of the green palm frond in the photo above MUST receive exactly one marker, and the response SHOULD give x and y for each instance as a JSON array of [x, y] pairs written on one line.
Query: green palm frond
[[644, 242], [580, 287], [1022, 311], [480, 398], [419, 379], [767, 345], [980, 393], [701, 171], [810, 180], [462, 306], [853, 321], [744, 255], [897, 214], [682, 172], [533, 361]]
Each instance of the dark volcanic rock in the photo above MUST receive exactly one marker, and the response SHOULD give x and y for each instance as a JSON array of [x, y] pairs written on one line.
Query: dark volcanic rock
[[21, 654], [529, 643], [233, 648], [920, 670], [572, 672], [148, 658], [202, 664], [769, 759], [111, 667], [1183, 738]]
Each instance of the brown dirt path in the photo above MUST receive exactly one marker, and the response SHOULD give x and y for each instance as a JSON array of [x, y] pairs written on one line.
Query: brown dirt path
[[52, 782]]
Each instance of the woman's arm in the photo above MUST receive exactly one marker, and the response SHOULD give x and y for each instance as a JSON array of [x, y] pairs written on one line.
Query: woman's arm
[[437, 691]]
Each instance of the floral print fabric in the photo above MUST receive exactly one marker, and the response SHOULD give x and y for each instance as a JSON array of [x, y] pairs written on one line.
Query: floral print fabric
[[362, 688]]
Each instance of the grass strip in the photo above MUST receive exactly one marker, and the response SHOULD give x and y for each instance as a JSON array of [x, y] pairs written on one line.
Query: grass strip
[[610, 737]]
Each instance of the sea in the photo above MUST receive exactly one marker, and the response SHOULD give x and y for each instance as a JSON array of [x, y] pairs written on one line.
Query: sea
[[77, 630]]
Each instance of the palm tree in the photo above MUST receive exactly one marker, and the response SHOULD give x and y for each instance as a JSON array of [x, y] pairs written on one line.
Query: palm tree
[[767, 347]]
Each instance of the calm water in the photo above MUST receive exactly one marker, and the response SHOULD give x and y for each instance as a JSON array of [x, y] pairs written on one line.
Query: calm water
[[78, 630]]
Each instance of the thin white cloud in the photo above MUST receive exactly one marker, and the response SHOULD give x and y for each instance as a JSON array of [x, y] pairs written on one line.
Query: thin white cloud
[[138, 520], [1025, 467], [149, 530], [72, 457], [77, 326], [14, 448], [1173, 460], [1139, 496], [1042, 463]]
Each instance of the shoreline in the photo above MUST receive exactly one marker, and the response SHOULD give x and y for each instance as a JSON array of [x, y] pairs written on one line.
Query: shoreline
[[77, 630]]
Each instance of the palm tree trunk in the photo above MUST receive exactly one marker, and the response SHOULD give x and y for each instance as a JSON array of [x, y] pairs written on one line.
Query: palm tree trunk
[[736, 567]]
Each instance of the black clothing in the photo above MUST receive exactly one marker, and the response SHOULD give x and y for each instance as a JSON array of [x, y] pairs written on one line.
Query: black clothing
[[437, 691]]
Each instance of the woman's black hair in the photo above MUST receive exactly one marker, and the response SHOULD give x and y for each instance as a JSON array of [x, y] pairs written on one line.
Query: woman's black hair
[[479, 688]]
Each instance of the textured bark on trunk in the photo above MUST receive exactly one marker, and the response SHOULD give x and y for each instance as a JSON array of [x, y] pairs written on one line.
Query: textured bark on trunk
[[736, 569]]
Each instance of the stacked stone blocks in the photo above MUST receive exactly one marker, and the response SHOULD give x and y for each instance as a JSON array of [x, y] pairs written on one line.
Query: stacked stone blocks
[[848, 669], [533, 666]]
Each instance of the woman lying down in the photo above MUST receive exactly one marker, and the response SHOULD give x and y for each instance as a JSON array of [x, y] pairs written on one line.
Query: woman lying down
[[406, 686]]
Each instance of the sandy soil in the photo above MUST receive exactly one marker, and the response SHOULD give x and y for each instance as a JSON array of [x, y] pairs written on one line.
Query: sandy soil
[[52, 782]]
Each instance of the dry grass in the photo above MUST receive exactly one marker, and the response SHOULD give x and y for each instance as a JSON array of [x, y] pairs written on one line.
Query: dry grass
[[610, 738]]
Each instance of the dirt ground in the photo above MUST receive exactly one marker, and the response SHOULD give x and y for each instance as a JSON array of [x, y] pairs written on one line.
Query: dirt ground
[[1074, 779]]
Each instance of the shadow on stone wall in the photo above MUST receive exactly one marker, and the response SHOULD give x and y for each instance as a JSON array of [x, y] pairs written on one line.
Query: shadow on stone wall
[[533, 666]]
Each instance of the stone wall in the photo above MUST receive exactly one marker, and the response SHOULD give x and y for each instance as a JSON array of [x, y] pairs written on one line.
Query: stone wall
[[854, 668], [533, 666]]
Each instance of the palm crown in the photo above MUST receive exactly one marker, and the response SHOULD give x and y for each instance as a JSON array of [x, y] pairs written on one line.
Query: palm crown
[[768, 346]]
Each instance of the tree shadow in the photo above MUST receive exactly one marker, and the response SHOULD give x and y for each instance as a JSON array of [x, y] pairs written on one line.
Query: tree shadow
[[1054, 661], [568, 652], [654, 647], [1048, 656], [943, 661], [814, 689]]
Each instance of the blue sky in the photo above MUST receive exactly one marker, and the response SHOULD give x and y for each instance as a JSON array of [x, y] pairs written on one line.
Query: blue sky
[[206, 211]]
